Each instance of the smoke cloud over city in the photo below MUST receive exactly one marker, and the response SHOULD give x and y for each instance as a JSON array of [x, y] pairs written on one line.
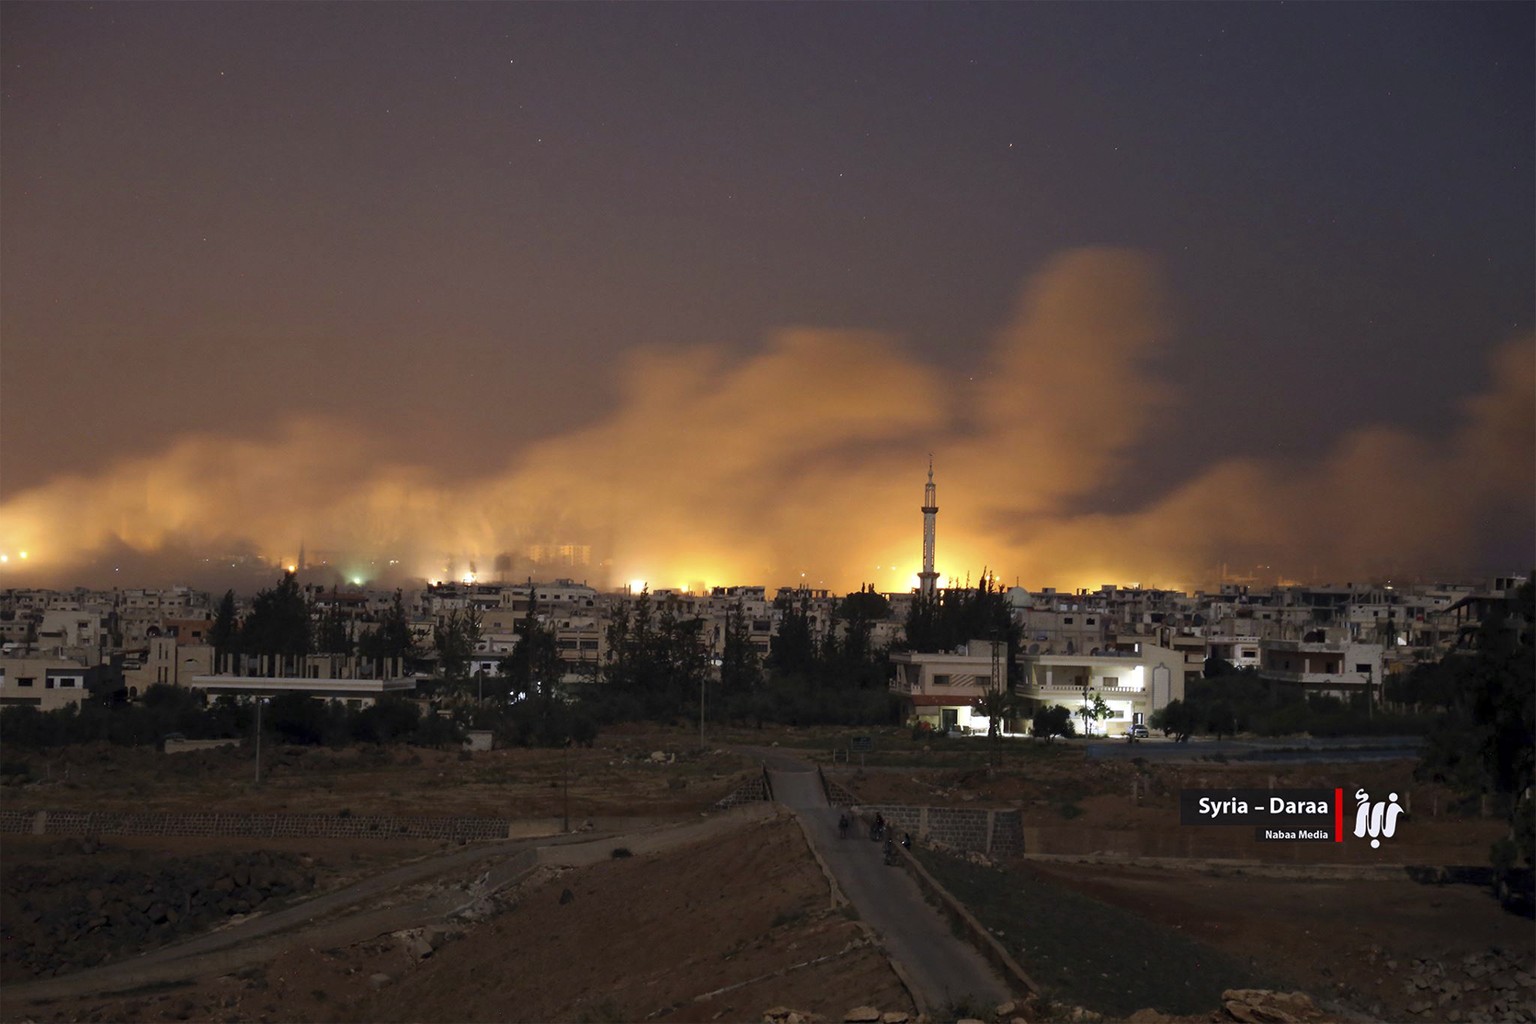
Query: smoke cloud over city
[[804, 462]]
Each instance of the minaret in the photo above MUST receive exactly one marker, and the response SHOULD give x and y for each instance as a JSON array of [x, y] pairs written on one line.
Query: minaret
[[927, 580]]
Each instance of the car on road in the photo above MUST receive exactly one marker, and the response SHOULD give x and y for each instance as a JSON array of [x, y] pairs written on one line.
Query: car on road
[[1137, 732]]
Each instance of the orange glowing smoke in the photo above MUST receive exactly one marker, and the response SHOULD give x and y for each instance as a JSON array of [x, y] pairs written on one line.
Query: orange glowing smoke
[[805, 462]]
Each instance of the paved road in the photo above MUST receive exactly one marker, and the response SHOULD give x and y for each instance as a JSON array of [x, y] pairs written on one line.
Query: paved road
[[941, 967]]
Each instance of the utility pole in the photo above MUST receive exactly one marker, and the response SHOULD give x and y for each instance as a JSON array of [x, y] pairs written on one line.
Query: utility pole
[[703, 675], [259, 702]]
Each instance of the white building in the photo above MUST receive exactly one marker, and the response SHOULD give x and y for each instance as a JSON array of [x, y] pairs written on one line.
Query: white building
[[1133, 683], [940, 688], [1326, 662]]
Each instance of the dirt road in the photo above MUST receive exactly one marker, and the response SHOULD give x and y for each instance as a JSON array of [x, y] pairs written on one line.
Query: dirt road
[[426, 892]]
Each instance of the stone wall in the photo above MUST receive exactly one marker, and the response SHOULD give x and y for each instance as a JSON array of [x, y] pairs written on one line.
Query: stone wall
[[320, 826], [836, 795], [996, 833], [756, 789]]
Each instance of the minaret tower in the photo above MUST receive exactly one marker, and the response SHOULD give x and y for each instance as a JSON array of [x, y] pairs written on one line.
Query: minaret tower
[[927, 580]]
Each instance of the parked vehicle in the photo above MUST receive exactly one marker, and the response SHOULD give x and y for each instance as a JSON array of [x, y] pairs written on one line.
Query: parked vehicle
[[1137, 732]]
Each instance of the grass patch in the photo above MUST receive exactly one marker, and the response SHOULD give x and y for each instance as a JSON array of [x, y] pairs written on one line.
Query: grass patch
[[1085, 952]]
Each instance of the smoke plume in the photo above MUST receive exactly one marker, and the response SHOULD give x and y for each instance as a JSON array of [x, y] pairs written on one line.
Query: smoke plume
[[804, 462]]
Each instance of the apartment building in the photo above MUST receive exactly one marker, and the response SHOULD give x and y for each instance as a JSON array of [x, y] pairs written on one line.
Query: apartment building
[[1134, 683], [357, 681], [1326, 661], [1066, 628], [166, 660], [48, 683], [941, 688]]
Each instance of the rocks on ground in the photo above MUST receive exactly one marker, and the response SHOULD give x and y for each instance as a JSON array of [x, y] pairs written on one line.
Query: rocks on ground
[[1495, 985], [76, 911], [1005, 1013]]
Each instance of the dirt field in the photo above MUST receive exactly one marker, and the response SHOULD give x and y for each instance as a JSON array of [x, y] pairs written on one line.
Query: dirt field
[[1076, 805], [617, 776], [1362, 944], [1388, 948], [645, 937], [715, 931]]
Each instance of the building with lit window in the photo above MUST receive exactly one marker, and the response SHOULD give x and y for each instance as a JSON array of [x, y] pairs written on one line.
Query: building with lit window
[[1134, 683]]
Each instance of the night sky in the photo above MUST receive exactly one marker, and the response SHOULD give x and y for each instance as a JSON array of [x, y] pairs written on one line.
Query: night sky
[[693, 290]]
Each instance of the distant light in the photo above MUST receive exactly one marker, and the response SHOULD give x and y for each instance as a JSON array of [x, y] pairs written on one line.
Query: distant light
[[635, 586], [293, 568], [357, 581], [23, 555], [5, 558]]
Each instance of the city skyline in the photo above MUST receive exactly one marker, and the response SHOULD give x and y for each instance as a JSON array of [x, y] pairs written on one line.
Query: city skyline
[[697, 289]]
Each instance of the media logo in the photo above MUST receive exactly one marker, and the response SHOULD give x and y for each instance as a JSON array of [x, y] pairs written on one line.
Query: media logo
[[1376, 819], [1293, 815]]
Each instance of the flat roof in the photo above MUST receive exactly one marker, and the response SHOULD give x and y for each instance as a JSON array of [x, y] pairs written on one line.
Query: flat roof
[[298, 684]]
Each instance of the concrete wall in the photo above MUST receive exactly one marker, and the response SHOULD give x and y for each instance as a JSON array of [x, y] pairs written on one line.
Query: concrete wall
[[187, 746], [754, 790], [996, 833]]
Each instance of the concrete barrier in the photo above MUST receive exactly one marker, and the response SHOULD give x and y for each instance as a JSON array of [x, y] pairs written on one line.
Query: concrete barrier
[[188, 746]]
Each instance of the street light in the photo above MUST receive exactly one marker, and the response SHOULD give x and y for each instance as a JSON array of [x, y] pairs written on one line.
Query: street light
[[259, 702], [703, 675]]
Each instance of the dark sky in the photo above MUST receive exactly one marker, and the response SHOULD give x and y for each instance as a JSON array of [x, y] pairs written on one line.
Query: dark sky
[[445, 224]]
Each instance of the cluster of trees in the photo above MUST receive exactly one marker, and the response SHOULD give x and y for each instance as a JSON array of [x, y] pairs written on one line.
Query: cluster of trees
[[279, 623], [958, 615], [300, 719], [658, 667], [1228, 700], [834, 675], [165, 709], [1483, 740]]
